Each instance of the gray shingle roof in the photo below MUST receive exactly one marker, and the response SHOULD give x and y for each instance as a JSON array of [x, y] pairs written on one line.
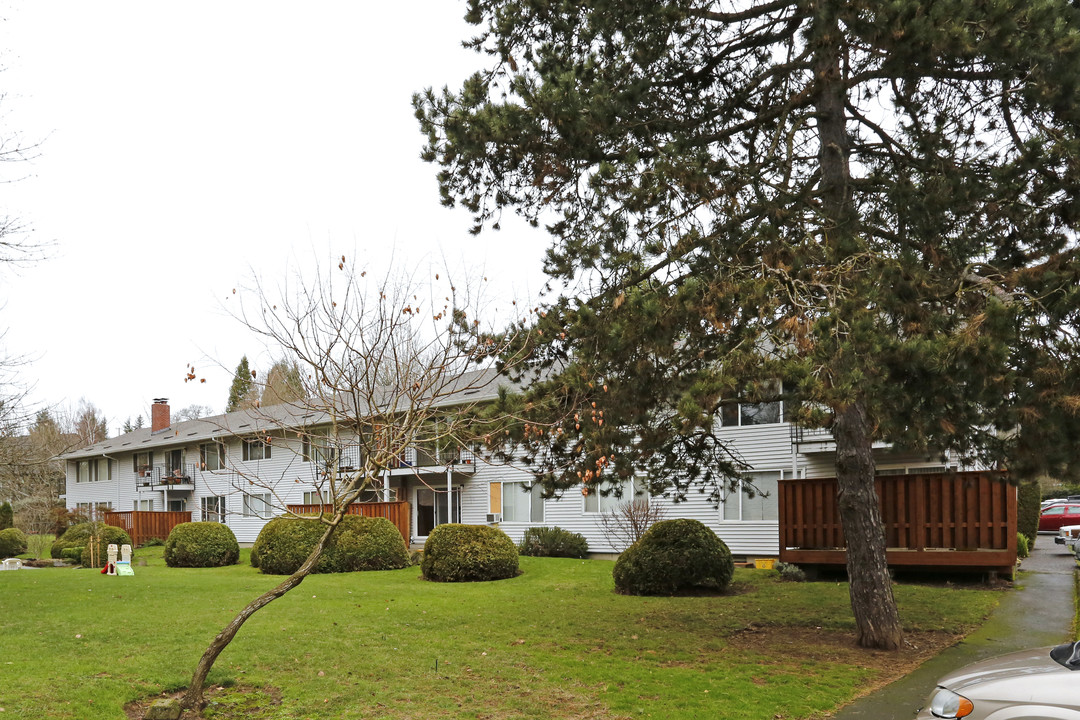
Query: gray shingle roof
[[471, 387]]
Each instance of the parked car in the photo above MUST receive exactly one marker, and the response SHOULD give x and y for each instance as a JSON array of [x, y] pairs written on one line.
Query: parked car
[[1056, 517], [1068, 535], [1023, 685]]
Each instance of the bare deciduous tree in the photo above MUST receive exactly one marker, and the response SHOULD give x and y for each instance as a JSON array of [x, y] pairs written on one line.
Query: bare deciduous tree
[[624, 524], [384, 373]]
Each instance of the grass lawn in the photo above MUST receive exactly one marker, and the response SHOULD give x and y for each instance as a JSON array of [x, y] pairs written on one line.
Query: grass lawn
[[553, 642]]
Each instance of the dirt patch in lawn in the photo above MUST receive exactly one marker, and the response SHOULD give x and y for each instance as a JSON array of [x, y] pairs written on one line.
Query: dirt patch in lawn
[[833, 646], [240, 702]]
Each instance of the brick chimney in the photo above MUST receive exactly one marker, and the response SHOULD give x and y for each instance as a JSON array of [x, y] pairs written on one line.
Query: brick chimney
[[159, 415]]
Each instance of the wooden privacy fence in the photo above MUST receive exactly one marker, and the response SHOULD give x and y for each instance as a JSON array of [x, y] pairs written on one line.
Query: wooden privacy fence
[[395, 512], [142, 525], [942, 520]]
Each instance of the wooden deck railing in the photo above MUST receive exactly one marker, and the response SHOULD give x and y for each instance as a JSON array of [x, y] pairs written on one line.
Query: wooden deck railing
[[142, 525], [395, 512], [933, 520]]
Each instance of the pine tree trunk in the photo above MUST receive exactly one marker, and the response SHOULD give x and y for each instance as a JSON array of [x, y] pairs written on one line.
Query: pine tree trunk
[[877, 622], [193, 698]]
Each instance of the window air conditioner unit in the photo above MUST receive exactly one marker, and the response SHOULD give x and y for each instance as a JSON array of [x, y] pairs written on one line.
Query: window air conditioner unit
[[494, 517]]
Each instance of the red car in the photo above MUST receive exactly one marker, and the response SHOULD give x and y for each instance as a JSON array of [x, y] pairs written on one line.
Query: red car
[[1055, 516]]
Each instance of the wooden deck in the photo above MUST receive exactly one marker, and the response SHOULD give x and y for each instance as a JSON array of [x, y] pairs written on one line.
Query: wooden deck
[[945, 521], [395, 512], [142, 525]]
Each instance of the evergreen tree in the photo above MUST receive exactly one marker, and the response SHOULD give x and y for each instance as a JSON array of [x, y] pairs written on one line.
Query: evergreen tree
[[242, 388], [7, 516], [874, 202]]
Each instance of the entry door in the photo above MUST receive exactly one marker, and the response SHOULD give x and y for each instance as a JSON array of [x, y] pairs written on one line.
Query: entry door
[[431, 509]]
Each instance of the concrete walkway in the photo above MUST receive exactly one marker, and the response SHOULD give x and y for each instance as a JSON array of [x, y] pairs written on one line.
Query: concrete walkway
[[1039, 612]]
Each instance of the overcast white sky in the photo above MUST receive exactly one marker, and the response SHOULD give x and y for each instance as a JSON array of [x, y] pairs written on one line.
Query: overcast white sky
[[188, 146]]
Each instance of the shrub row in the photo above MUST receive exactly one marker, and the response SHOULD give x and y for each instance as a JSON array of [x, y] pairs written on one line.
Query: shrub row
[[79, 536], [359, 543], [553, 542]]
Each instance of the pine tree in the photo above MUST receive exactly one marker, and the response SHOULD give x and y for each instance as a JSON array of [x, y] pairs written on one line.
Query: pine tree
[[242, 387], [875, 203]]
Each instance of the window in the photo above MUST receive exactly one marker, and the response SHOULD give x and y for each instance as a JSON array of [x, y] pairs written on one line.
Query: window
[[744, 414], [740, 506], [178, 505], [313, 498], [212, 456], [597, 502], [257, 449], [93, 470], [258, 506], [92, 510], [174, 464], [145, 505], [213, 509], [522, 502], [143, 463]]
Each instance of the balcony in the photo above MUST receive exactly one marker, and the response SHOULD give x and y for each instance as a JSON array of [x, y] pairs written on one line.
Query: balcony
[[432, 459], [165, 477]]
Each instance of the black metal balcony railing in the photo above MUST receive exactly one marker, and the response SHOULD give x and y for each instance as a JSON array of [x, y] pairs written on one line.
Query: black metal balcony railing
[[351, 457], [800, 435], [159, 475]]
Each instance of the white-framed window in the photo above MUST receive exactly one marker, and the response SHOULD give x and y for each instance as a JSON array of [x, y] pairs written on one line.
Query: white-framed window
[[314, 498], [745, 414], [213, 508], [522, 502], [212, 456], [94, 510], [257, 449], [177, 504], [763, 506], [144, 505], [258, 505], [93, 470], [627, 491]]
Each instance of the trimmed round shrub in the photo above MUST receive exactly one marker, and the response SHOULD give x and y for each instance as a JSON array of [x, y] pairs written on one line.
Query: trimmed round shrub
[[103, 536], [201, 544], [463, 553], [359, 543], [12, 542], [674, 556], [553, 542], [77, 535]]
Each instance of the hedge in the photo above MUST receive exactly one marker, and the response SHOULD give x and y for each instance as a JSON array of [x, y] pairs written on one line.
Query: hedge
[[359, 543], [553, 542]]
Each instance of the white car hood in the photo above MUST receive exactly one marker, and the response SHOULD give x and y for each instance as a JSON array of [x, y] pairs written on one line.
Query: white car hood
[[1028, 675]]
